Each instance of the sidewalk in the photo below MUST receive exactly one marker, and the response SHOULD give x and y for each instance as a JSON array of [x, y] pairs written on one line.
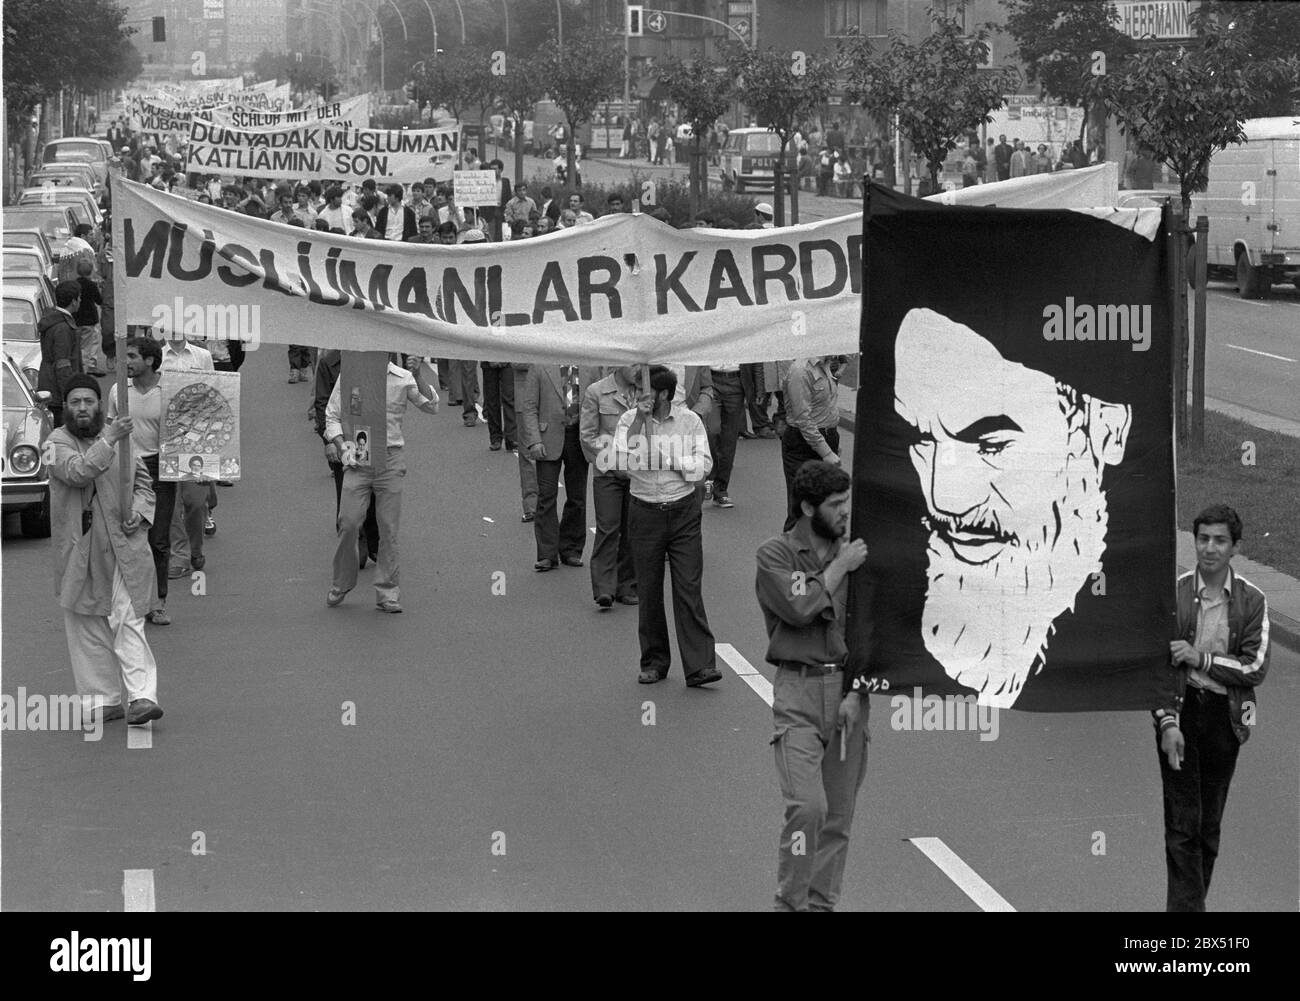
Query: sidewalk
[[1282, 591]]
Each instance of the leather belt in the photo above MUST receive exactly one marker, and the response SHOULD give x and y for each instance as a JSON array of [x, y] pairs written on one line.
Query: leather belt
[[812, 670], [666, 505]]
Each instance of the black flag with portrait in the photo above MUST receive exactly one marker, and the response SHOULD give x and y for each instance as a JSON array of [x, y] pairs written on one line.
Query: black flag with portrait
[[1013, 466]]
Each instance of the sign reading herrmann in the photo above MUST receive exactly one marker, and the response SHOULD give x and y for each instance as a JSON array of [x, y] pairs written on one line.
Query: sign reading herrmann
[[1014, 464]]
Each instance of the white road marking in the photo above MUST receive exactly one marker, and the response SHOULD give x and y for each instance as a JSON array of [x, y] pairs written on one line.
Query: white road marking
[[966, 878], [1263, 353], [745, 670], [139, 738], [137, 890]]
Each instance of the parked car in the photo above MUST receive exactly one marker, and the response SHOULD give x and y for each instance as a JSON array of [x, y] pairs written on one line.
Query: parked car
[[26, 483], [23, 309], [47, 262], [14, 237], [57, 222], [81, 200], [23, 262], [749, 159], [70, 175], [78, 150]]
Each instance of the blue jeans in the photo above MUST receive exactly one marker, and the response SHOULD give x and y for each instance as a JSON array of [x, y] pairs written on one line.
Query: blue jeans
[[1195, 797]]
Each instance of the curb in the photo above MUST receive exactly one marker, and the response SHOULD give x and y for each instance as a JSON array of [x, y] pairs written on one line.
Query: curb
[[1283, 629]]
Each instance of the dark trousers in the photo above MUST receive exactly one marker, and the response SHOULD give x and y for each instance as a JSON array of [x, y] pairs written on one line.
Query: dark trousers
[[612, 569], [1195, 796], [370, 527], [567, 536], [675, 530], [499, 403], [299, 356], [731, 421], [751, 380], [794, 453], [160, 532]]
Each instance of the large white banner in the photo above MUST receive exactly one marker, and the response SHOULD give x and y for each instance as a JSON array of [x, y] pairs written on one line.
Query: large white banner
[[625, 289], [350, 113], [324, 152]]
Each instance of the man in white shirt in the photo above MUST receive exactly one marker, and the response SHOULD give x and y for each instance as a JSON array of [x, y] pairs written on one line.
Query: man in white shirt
[[335, 212], [193, 513], [383, 478], [665, 450], [143, 362]]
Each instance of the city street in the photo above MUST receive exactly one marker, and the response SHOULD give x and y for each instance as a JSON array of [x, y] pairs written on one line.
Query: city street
[[514, 721]]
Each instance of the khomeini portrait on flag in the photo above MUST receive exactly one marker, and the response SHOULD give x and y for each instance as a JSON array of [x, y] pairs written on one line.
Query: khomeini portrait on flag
[[1013, 463]]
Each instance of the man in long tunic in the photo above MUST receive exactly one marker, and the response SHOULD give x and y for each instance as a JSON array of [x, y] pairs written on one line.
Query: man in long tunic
[[104, 569]]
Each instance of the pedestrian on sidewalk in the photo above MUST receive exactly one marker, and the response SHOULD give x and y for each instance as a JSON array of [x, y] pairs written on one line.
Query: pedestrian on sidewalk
[[104, 570], [665, 450], [1220, 656], [814, 700]]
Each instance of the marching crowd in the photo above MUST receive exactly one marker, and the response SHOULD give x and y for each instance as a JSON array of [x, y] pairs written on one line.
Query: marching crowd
[[663, 441]]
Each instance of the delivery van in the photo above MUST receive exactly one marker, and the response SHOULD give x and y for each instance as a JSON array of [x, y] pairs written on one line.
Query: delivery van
[[1253, 204]]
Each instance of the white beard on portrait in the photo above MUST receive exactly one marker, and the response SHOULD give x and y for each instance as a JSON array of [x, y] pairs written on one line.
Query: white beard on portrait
[[989, 624]]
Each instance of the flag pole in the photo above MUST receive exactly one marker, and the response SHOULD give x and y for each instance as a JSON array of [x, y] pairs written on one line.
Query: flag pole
[[126, 464]]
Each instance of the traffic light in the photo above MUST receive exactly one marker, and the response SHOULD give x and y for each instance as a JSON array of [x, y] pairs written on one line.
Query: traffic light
[[160, 29], [634, 26]]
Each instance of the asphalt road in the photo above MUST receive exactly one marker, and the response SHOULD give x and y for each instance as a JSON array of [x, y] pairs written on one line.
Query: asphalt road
[[515, 721]]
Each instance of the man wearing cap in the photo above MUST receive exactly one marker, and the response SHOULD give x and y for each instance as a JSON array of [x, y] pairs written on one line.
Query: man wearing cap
[[763, 215], [103, 565]]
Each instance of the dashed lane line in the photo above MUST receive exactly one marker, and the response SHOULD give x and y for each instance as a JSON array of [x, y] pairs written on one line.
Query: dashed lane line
[[949, 863], [137, 890], [967, 879]]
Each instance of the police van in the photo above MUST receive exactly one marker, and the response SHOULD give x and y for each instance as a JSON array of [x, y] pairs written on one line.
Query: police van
[[1253, 204], [748, 160]]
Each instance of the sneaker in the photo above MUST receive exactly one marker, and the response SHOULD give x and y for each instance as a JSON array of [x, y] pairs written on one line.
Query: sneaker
[[141, 711], [722, 500], [177, 572], [390, 606], [335, 597], [159, 617], [209, 526], [293, 376]]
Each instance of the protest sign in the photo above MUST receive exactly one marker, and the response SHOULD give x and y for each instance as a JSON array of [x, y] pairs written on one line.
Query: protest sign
[[1020, 531], [625, 289], [353, 113], [475, 188], [324, 152], [199, 436]]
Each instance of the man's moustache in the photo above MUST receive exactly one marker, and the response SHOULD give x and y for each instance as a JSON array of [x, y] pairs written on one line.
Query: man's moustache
[[948, 527]]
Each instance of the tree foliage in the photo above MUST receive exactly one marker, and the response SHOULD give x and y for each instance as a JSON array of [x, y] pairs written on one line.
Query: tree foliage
[[703, 94], [1270, 33], [1055, 40], [314, 73], [460, 79], [936, 88], [1187, 104], [580, 76], [53, 45], [782, 90], [518, 92]]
